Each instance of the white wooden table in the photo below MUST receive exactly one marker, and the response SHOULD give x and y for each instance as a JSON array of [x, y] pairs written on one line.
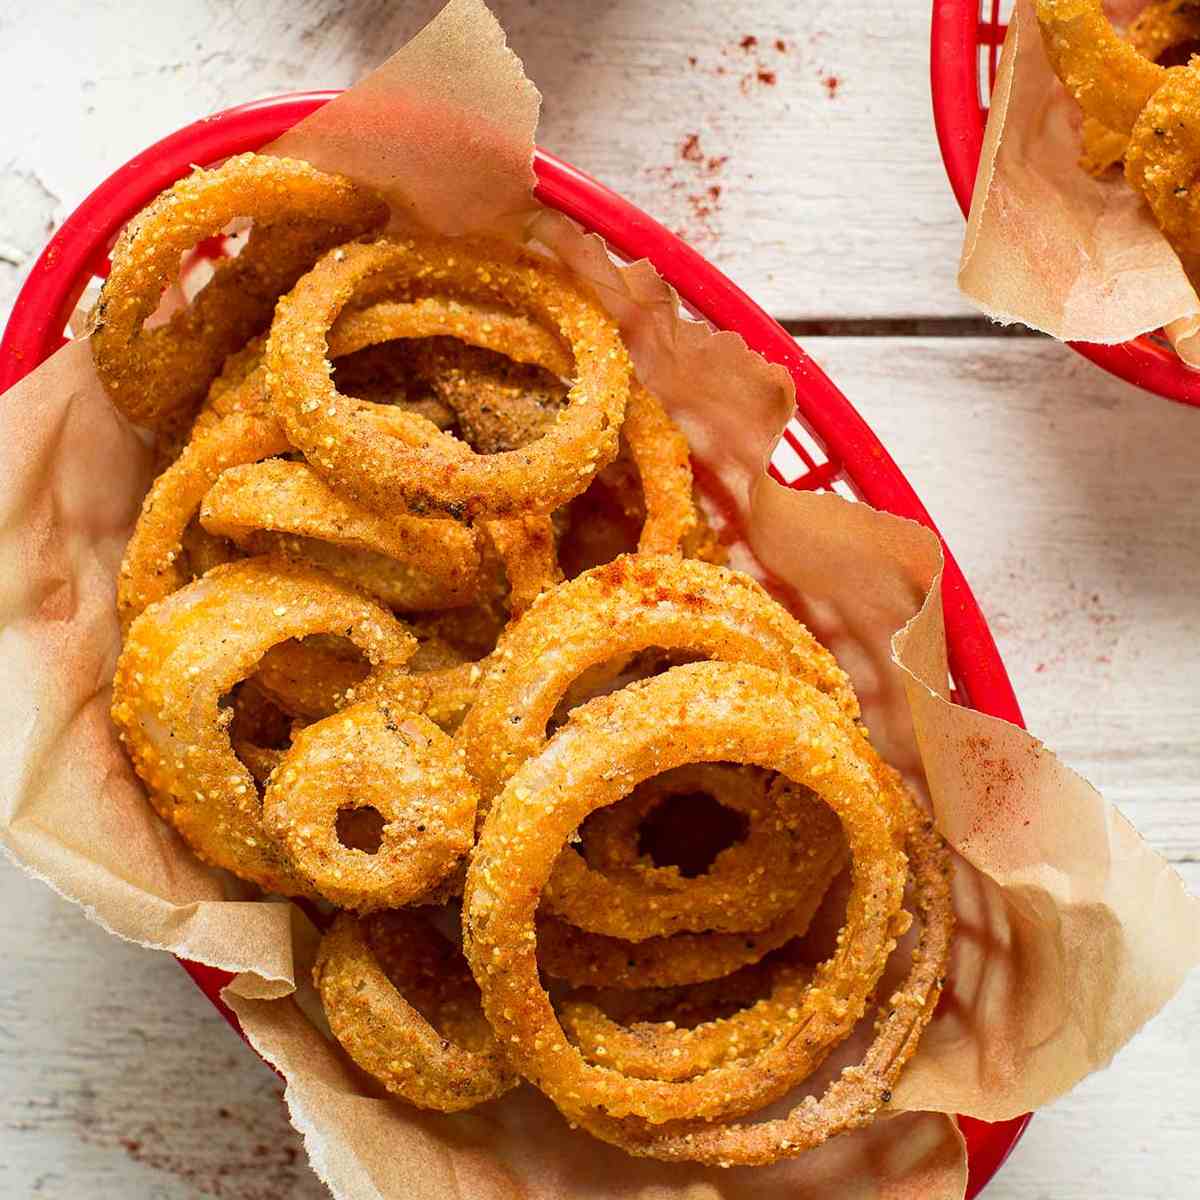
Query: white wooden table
[[1070, 499]]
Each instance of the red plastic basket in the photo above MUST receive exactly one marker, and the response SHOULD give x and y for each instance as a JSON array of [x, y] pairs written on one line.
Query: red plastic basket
[[966, 40], [829, 446]]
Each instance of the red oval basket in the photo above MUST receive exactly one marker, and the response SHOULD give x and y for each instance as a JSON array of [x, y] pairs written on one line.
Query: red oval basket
[[967, 34], [827, 446]]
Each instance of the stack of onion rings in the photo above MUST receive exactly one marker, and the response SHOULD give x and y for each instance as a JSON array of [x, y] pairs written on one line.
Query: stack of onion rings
[[354, 672]]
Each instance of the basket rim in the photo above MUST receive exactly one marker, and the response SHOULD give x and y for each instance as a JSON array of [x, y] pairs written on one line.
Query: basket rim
[[79, 248], [960, 119]]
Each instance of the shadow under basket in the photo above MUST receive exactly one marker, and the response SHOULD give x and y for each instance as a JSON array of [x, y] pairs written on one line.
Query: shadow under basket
[[827, 445], [963, 57]]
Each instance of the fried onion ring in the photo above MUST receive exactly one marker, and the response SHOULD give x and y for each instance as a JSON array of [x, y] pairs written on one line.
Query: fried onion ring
[[630, 604], [489, 328], [664, 466], [437, 563], [185, 652], [1162, 161], [373, 755], [702, 711], [401, 1002], [792, 837], [298, 213], [526, 547], [592, 960], [414, 465], [861, 1091], [153, 567], [1165, 29], [1109, 79]]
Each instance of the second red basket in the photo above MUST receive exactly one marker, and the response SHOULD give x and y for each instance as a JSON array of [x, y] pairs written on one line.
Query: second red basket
[[964, 54]]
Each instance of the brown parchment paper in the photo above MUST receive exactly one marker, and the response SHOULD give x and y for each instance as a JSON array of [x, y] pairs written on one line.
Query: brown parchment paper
[[1048, 245], [1073, 932]]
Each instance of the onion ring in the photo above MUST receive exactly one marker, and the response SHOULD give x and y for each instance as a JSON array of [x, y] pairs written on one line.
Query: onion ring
[[316, 677], [376, 755], [1161, 30], [414, 465], [592, 960], [185, 652], [298, 211], [704, 711], [527, 549], [628, 605], [663, 1046], [437, 563], [497, 329], [854, 1099], [688, 1007], [664, 466], [402, 1004], [1109, 79], [750, 885], [1162, 161], [153, 567]]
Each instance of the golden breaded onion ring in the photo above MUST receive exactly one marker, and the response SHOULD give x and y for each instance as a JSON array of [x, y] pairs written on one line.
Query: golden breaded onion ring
[[1109, 79], [703, 711], [414, 465], [584, 959], [486, 326], [1161, 28], [298, 213], [750, 885], [611, 611], [664, 465], [154, 566], [183, 654], [1162, 160], [527, 550], [860, 1091], [285, 506], [382, 980], [377, 755]]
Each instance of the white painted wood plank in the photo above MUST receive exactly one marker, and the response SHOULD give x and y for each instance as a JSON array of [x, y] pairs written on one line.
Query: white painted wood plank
[[114, 1070], [789, 173], [1069, 499]]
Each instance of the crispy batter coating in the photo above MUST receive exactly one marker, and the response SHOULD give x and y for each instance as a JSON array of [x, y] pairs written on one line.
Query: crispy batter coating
[[412, 465], [749, 886], [403, 1005], [704, 711], [381, 756], [184, 653], [154, 566], [861, 1091], [631, 604], [408, 562], [298, 213], [1109, 79]]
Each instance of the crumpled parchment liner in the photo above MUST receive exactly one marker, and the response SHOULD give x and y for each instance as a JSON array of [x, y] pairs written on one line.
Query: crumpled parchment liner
[[1048, 245], [1072, 931]]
